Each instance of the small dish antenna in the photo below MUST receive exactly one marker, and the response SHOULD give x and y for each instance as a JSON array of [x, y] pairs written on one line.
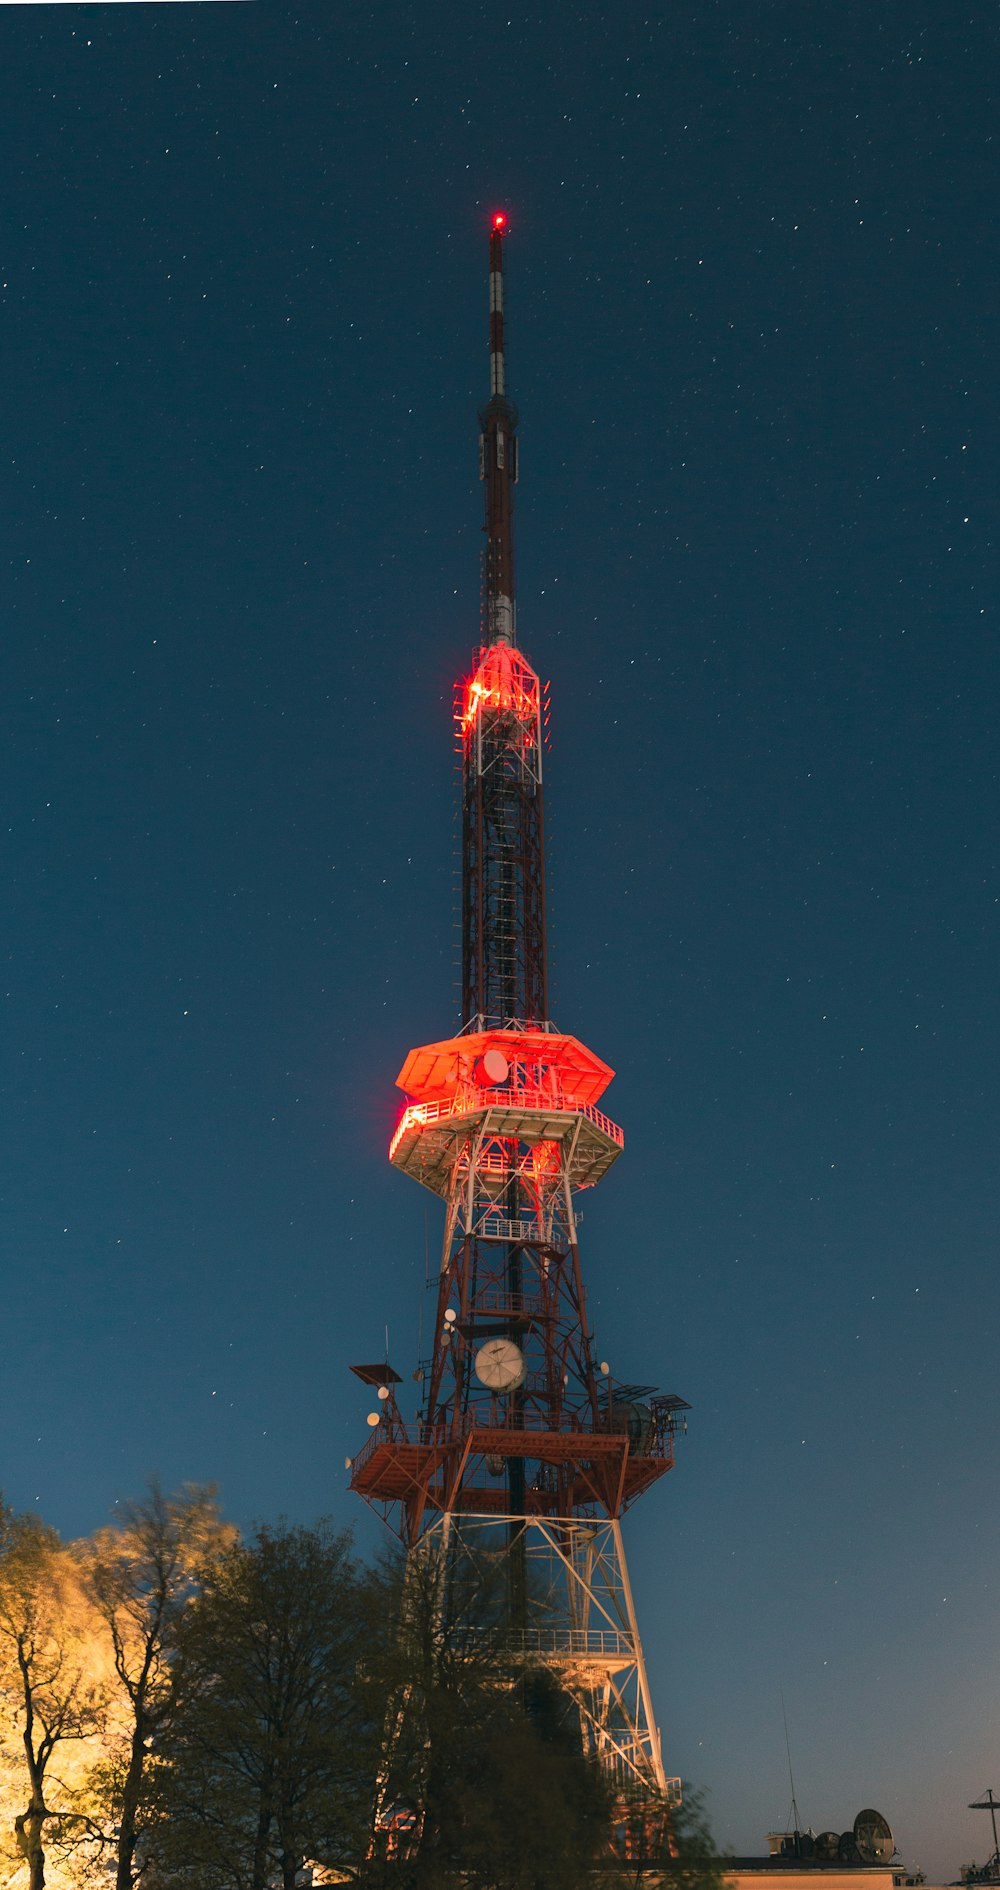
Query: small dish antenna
[[383, 1392], [491, 1069], [374, 1417]]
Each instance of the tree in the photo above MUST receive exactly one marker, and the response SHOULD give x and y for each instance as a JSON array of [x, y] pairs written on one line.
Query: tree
[[484, 1781], [670, 1844], [54, 1689], [142, 1575], [268, 1755], [533, 1810]]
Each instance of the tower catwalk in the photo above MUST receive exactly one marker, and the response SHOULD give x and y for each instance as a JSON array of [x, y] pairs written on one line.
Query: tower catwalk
[[524, 1445]]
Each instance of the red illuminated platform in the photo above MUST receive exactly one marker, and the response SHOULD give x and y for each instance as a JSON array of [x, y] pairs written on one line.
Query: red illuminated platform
[[431, 1136], [536, 1059]]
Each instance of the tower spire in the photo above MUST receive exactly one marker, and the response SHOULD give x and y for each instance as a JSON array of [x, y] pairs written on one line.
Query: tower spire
[[498, 463], [500, 711]]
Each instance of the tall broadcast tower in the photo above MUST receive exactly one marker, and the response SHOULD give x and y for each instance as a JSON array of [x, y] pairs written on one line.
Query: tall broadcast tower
[[525, 1445]]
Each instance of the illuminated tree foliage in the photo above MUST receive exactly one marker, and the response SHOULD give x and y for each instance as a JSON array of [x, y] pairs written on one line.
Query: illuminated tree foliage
[[54, 1692], [142, 1574]]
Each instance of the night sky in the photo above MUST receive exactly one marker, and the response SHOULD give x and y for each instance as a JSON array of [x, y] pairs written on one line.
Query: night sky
[[751, 289]]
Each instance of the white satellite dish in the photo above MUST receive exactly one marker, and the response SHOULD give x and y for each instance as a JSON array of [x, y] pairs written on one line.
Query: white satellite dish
[[374, 1417], [491, 1069], [500, 1365]]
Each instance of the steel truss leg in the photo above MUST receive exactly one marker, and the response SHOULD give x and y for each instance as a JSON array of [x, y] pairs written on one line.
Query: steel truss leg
[[581, 1627]]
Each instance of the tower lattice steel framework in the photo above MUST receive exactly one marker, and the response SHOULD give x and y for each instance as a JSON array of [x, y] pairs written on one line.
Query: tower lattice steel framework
[[524, 1443]]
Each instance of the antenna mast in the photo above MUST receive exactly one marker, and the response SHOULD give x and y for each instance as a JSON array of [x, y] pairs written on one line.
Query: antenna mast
[[991, 1871], [500, 713], [791, 1780], [498, 464]]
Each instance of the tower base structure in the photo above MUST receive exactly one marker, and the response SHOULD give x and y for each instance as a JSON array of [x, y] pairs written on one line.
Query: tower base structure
[[581, 1628], [526, 1450]]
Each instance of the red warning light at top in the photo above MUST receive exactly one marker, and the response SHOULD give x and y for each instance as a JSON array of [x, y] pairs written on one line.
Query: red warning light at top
[[499, 220]]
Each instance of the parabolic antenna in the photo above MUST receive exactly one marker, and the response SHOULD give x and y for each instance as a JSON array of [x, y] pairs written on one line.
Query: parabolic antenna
[[826, 1845], [500, 1365], [847, 1850], [491, 1069], [873, 1837]]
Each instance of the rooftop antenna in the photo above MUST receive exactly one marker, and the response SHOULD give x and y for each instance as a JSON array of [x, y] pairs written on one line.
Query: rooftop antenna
[[794, 1815], [991, 1804]]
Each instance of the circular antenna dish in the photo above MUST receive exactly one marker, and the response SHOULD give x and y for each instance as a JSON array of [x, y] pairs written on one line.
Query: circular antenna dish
[[492, 1069], [826, 1846], [500, 1365], [374, 1417], [847, 1850], [383, 1392], [605, 1367], [348, 1462], [873, 1837], [451, 1315]]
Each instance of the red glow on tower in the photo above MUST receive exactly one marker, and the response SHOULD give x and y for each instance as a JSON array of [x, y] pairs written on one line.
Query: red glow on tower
[[504, 684]]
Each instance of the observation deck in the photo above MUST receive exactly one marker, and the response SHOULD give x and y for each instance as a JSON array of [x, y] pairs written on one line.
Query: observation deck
[[548, 1094], [430, 1135]]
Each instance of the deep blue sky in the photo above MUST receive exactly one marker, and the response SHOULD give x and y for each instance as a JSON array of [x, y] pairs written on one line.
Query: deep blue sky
[[752, 284]]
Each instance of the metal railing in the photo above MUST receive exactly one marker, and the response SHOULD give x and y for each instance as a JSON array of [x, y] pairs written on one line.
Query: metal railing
[[657, 1447], [493, 1226], [468, 1099], [509, 1305], [571, 1641]]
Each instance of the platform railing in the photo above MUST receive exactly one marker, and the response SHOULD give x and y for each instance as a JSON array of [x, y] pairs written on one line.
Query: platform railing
[[658, 1446], [469, 1099], [567, 1640], [501, 1304]]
